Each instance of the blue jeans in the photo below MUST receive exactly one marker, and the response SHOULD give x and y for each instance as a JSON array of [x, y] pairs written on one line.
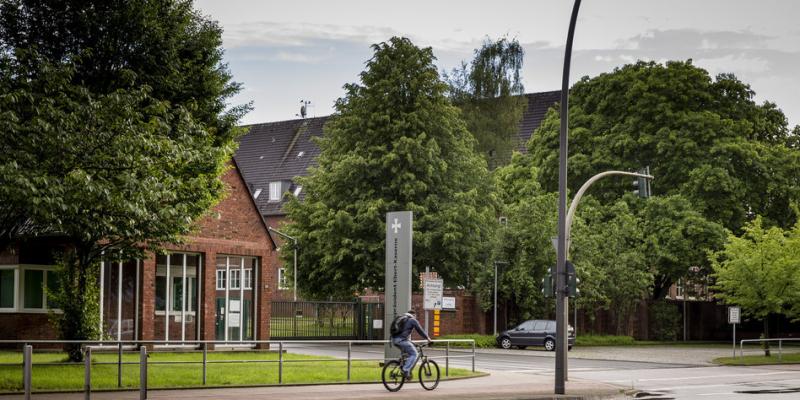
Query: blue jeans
[[407, 347]]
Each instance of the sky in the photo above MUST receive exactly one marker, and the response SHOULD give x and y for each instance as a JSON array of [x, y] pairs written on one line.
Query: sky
[[288, 51]]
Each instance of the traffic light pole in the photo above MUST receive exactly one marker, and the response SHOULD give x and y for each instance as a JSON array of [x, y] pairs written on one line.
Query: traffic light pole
[[562, 308]]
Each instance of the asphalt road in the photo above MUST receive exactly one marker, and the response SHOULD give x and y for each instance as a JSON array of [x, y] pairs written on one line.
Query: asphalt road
[[645, 380]]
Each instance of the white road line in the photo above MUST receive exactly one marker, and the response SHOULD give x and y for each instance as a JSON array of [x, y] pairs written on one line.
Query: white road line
[[706, 377], [715, 394]]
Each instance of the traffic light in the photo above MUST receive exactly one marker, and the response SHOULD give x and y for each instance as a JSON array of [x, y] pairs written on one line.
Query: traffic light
[[641, 186], [547, 283], [573, 285]]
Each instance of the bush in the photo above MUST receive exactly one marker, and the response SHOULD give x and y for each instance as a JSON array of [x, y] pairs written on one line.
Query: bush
[[604, 340], [665, 321], [481, 341]]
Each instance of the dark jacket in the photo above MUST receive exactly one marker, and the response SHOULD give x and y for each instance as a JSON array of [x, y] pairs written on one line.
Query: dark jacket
[[409, 325]]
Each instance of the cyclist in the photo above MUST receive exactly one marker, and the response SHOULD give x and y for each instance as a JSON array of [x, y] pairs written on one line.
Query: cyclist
[[401, 337]]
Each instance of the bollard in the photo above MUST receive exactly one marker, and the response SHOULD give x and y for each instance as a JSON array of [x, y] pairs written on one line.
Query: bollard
[[205, 361], [349, 350], [280, 362], [27, 361], [447, 359], [143, 373], [87, 374], [473, 356], [119, 365], [780, 350]]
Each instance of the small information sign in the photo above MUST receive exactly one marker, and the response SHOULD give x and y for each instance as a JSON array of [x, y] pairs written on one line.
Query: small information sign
[[432, 294], [734, 315], [448, 303]]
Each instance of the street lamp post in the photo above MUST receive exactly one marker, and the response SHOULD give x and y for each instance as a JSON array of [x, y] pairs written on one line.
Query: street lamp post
[[294, 246], [495, 292], [562, 308]]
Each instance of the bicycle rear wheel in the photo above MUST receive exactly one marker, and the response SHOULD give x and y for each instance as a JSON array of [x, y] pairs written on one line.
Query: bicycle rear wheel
[[428, 374], [392, 376]]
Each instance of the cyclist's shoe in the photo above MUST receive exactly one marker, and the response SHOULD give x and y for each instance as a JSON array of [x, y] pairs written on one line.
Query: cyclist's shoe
[[408, 376]]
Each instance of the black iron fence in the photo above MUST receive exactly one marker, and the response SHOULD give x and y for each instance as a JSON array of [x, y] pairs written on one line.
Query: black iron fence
[[326, 320]]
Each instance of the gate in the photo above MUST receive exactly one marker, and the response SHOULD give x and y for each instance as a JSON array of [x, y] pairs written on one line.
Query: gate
[[317, 320]]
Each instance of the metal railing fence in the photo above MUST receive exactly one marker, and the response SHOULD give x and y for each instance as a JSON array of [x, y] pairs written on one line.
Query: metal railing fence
[[762, 341], [145, 348]]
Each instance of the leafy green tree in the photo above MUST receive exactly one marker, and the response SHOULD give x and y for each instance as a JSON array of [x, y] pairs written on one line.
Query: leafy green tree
[[760, 271], [705, 139], [394, 143], [113, 132], [607, 253], [489, 93], [675, 238]]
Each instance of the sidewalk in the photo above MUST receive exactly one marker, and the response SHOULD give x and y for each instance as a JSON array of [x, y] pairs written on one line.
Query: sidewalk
[[497, 386], [672, 354]]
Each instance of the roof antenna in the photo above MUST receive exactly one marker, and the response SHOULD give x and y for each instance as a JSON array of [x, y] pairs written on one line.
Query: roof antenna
[[303, 108]]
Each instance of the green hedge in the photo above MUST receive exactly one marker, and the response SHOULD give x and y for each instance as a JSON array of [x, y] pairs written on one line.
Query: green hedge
[[604, 340], [481, 341]]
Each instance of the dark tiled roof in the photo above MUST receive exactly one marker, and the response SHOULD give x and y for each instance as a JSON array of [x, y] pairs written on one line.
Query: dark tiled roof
[[270, 152], [538, 104], [277, 151]]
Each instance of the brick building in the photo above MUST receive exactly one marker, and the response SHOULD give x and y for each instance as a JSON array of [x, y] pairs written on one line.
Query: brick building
[[218, 285]]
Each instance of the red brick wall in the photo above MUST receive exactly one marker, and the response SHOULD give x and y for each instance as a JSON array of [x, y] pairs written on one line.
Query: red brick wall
[[25, 326], [466, 318]]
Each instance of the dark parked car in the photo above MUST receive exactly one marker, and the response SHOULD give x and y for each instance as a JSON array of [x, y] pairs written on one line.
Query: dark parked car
[[535, 332]]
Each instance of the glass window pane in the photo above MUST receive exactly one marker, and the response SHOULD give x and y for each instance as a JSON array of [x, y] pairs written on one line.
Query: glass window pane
[[33, 288], [52, 287], [6, 288], [177, 293]]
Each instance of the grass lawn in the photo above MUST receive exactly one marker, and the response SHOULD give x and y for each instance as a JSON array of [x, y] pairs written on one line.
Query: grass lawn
[[488, 341], [296, 369], [792, 358]]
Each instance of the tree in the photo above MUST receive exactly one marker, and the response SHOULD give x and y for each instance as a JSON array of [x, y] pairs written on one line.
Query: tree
[[760, 271], [704, 139], [607, 254], [489, 93], [675, 238], [113, 132], [394, 143]]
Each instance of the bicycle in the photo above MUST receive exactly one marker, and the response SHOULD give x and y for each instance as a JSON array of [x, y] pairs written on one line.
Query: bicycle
[[428, 371]]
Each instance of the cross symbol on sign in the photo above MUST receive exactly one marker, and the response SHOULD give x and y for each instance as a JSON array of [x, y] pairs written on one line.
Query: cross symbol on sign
[[396, 226]]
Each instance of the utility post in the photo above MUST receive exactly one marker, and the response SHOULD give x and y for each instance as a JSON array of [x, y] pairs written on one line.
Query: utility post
[[294, 246], [562, 307], [496, 263]]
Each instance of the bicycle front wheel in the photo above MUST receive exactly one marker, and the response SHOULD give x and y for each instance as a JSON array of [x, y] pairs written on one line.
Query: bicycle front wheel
[[428, 374], [392, 376]]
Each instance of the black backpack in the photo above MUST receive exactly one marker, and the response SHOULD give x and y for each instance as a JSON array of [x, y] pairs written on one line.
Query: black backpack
[[397, 325]]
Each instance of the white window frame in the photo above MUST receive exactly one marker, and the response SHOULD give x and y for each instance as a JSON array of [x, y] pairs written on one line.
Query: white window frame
[[247, 279], [19, 288], [275, 191], [183, 312], [15, 305], [224, 281], [282, 284], [235, 278]]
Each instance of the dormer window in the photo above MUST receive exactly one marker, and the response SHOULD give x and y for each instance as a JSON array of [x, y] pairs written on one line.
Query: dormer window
[[274, 191]]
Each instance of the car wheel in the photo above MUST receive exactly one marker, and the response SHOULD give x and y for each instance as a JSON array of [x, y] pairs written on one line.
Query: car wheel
[[549, 344], [521, 347], [505, 343]]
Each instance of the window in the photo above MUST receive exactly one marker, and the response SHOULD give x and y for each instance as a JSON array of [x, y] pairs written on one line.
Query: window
[[526, 326], [257, 193], [297, 191], [7, 285], [248, 279], [235, 279], [539, 325], [22, 288], [283, 283], [274, 191], [220, 279]]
